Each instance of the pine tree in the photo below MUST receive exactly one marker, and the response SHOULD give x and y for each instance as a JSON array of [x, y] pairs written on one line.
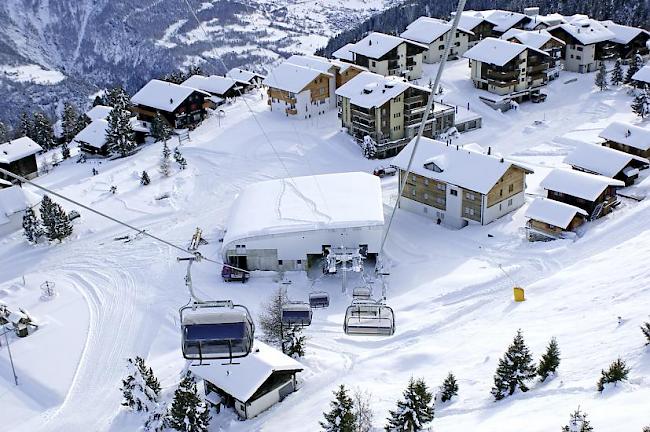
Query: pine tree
[[164, 160], [617, 73], [270, 319], [117, 96], [140, 389], [4, 133], [601, 77], [341, 416], [578, 423], [633, 67], [32, 226], [55, 220], [295, 342], [42, 131], [415, 411], [69, 122], [550, 360], [640, 104], [194, 70], [449, 388], [617, 371], [65, 150], [24, 126], [180, 160], [98, 101], [514, 369], [369, 147], [160, 129], [144, 179], [120, 137], [645, 328], [188, 412]]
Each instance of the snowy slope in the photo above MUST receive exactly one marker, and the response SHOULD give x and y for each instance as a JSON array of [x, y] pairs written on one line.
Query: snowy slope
[[454, 308]]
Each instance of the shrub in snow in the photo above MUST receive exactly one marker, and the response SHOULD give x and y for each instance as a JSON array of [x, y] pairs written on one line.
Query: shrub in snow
[[617, 371], [578, 423], [140, 389], [32, 227], [601, 77], [514, 369], [449, 388], [645, 328], [550, 360], [188, 412], [144, 179], [617, 73], [295, 342], [164, 160], [180, 160], [160, 130], [363, 411], [341, 416], [55, 220], [415, 411], [270, 319]]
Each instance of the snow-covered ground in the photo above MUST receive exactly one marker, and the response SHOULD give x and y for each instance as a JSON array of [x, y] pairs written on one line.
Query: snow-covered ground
[[32, 73], [454, 307]]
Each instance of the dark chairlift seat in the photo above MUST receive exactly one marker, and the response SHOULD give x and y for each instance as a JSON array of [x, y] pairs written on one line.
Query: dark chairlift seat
[[216, 332], [369, 318], [319, 300], [296, 313]]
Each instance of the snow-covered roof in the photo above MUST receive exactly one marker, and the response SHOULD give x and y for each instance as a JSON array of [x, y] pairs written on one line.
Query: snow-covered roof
[[549, 20], [553, 212], [163, 95], [534, 39], [622, 34], [14, 150], [243, 75], [376, 44], [578, 184], [5, 182], [628, 134], [642, 74], [586, 30], [426, 30], [369, 90], [94, 134], [291, 77], [503, 20], [344, 52], [243, 379], [311, 61], [497, 51], [213, 84], [15, 199], [459, 165], [99, 112], [344, 65], [468, 22], [602, 160], [310, 203]]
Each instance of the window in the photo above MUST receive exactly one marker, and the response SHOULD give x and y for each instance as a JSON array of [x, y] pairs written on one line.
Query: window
[[426, 181], [279, 262], [373, 63], [470, 196], [579, 48], [500, 192], [578, 58], [441, 187], [511, 188], [441, 47], [413, 191], [509, 202], [439, 200], [469, 211], [298, 261], [426, 196], [453, 192]]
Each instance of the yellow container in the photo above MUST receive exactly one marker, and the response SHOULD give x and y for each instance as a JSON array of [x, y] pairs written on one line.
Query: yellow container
[[519, 294]]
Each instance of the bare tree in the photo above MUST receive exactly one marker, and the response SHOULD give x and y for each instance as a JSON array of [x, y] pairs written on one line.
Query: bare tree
[[363, 410]]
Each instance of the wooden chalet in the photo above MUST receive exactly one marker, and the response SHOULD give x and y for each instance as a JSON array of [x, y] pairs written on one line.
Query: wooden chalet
[[608, 162], [92, 138], [221, 87], [19, 157], [543, 41], [549, 220], [595, 194], [627, 138], [182, 106], [628, 41], [248, 78]]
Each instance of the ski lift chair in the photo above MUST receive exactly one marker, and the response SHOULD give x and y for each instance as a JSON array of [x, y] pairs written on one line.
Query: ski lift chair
[[361, 293], [319, 300], [369, 318], [296, 313], [216, 330]]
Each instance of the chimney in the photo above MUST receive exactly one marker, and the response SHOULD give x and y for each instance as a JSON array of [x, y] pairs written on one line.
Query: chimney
[[501, 160], [489, 151], [171, 101], [369, 42], [456, 147]]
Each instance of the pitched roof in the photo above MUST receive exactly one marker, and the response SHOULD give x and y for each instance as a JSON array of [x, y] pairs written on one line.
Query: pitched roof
[[14, 150], [291, 77], [623, 34], [311, 61], [213, 84], [426, 30], [503, 20], [602, 160], [243, 75], [553, 212], [163, 95], [94, 134], [642, 74], [344, 52], [549, 20], [369, 89], [628, 134], [497, 51], [459, 165], [585, 30], [377, 44], [15, 199], [243, 379], [469, 22], [99, 112], [534, 39], [578, 184]]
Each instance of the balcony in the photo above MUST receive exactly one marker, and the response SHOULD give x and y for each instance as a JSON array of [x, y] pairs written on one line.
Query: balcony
[[410, 61], [503, 76], [537, 68], [363, 122]]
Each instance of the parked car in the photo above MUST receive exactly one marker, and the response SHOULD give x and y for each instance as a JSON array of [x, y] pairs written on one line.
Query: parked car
[[538, 97], [230, 274], [385, 171], [73, 214]]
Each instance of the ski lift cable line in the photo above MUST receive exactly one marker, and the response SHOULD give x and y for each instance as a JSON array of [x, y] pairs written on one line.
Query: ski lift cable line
[[258, 123], [427, 110], [117, 221]]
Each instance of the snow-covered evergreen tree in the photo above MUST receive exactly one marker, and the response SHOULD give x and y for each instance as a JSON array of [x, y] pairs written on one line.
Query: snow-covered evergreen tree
[[140, 389], [188, 412], [270, 319], [645, 328], [32, 227], [65, 150], [362, 411], [415, 411], [4, 133], [340, 417], [160, 129], [601, 77], [369, 147], [617, 73], [157, 418], [550, 360], [578, 423], [69, 122], [165, 169], [616, 372], [449, 388], [514, 369], [24, 126], [180, 160], [55, 220], [295, 342], [636, 62], [144, 179], [120, 137], [117, 96], [641, 104], [42, 131]]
